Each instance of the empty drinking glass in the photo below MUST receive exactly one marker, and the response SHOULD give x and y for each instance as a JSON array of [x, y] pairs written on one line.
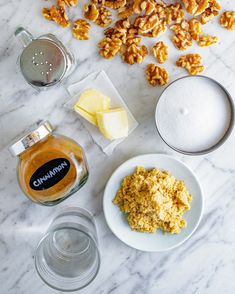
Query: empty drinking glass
[[67, 258]]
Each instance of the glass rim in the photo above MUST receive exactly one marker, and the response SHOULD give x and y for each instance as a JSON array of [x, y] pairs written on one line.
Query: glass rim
[[73, 209]]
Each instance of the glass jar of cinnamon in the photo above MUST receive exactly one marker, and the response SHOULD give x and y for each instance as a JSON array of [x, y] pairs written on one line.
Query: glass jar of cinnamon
[[51, 167]]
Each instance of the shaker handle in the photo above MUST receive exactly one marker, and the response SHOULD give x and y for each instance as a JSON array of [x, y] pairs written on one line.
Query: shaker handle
[[24, 36]]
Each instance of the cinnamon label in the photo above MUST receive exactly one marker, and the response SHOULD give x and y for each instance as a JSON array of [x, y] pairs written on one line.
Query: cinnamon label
[[49, 174]]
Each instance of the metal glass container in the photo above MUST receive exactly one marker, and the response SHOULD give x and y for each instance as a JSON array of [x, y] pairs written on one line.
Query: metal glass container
[[51, 167], [44, 62]]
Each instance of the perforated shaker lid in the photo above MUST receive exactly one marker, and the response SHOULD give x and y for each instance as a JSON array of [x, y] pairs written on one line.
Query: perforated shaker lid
[[43, 63]]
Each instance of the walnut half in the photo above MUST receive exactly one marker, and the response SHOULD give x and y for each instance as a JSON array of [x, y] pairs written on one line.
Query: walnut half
[[174, 13], [56, 14], [195, 28], [207, 41], [104, 17], [210, 12], [115, 4], [190, 6], [160, 52], [146, 23], [69, 2], [91, 12], [126, 11], [227, 20], [109, 47], [135, 53], [191, 62], [182, 38], [156, 75], [81, 29], [157, 31]]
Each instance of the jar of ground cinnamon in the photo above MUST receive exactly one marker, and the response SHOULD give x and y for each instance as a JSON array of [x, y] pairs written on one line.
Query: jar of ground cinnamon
[[51, 167]]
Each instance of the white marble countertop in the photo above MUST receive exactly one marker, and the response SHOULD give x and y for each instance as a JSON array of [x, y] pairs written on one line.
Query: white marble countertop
[[206, 262]]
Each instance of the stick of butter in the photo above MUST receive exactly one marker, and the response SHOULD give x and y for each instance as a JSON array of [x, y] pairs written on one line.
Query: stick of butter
[[113, 123], [91, 118], [92, 101]]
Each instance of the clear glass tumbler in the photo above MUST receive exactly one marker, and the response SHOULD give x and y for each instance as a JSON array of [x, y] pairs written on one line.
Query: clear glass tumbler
[[67, 258]]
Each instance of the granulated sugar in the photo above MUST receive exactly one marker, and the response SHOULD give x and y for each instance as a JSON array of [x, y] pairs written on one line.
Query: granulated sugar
[[193, 114]]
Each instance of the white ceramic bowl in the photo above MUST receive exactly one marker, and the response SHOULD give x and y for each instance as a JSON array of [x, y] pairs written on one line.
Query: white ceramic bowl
[[156, 242]]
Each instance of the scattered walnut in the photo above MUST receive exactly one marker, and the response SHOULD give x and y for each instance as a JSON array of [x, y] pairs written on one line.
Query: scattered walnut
[[68, 2], [128, 34], [132, 36], [133, 40], [71, 2], [182, 38], [104, 17], [174, 12], [210, 12], [156, 75], [119, 31], [146, 23], [227, 20], [190, 6], [191, 62], [207, 41], [139, 6], [184, 25], [109, 47], [150, 7], [161, 11], [135, 54], [81, 29], [157, 31], [115, 4], [91, 12], [202, 6], [160, 51], [132, 31], [126, 11], [46, 13], [206, 16], [56, 14], [61, 3], [151, 20], [100, 2], [109, 32], [196, 7], [195, 28], [122, 24]]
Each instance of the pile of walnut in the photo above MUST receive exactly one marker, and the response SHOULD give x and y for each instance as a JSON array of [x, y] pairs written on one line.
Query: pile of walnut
[[145, 18]]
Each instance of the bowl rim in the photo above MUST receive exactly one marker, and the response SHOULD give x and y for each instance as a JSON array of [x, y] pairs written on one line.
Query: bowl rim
[[226, 134]]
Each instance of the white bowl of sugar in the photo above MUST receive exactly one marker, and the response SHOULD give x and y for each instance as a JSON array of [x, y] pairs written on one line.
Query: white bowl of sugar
[[194, 115]]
